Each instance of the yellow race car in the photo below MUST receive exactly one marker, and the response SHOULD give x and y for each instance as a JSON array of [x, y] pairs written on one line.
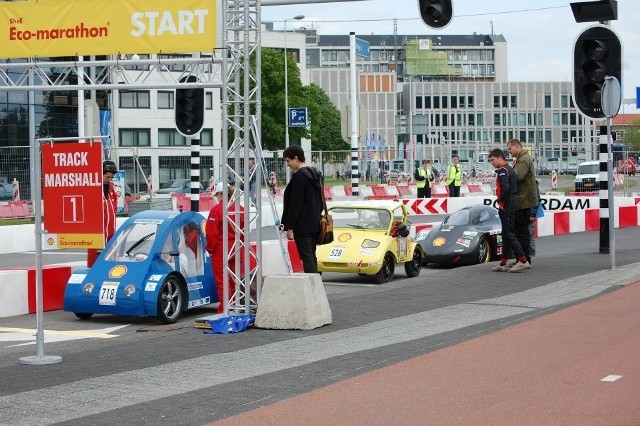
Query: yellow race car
[[370, 238]]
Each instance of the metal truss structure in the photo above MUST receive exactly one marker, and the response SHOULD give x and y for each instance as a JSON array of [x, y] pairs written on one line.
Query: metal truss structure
[[229, 69]]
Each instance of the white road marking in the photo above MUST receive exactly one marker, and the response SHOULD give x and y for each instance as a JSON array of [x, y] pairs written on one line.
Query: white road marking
[[8, 334], [611, 378]]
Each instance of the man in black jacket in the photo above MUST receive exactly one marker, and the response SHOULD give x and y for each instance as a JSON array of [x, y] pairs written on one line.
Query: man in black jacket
[[507, 195], [302, 207]]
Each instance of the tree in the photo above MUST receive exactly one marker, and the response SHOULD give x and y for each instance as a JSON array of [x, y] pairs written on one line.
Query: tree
[[632, 136], [325, 128], [323, 115]]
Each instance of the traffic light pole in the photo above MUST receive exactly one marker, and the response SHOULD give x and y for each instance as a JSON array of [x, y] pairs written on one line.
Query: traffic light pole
[[195, 172]]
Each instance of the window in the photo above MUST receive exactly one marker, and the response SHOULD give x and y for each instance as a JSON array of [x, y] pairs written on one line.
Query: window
[[505, 101], [514, 101], [565, 118], [454, 102], [470, 102], [134, 99], [208, 100], [206, 138], [171, 137], [461, 101], [135, 137], [436, 101], [445, 102], [427, 102], [165, 100], [564, 101], [418, 102], [496, 101], [480, 118], [556, 118], [547, 101], [496, 119]]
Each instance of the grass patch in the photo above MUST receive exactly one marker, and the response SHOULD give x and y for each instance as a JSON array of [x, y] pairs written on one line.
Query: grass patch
[[7, 222]]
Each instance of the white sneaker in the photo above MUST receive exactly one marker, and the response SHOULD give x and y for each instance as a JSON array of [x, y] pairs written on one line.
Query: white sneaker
[[500, 268], [519, 267]]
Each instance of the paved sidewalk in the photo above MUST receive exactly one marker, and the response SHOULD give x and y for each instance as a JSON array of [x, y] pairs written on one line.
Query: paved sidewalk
[[577, 366]]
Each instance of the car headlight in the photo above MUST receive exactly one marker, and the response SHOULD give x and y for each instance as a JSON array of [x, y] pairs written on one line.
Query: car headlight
[[129, 290], [87, 288], [370, 243]]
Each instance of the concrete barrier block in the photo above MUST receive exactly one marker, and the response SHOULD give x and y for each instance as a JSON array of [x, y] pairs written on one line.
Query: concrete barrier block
[[293, 302], [14, 298]]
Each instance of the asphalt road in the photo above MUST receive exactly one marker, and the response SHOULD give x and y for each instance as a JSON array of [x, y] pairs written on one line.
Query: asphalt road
[[130, 371]]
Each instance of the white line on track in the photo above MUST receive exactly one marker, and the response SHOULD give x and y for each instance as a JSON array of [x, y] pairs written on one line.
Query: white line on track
[[611, 378]]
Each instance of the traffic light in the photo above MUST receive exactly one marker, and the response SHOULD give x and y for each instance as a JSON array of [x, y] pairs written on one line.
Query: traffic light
[[189, 108], [436, 13], [597, 54]]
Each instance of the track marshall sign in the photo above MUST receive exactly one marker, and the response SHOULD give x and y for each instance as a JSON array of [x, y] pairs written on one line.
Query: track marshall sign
[[72, 195]]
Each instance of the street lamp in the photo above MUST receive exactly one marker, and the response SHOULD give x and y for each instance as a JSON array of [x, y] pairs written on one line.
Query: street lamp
[[286, 85]]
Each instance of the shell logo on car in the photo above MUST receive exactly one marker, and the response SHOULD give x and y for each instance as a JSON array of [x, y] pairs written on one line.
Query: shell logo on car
[[117, 271], [439, 242]]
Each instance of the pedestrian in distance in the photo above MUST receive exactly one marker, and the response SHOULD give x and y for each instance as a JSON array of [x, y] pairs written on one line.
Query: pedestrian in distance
[[109, 206], [424, 179], [214, 232], [302, 206], [506, 193], [453, 177], [527, 193]]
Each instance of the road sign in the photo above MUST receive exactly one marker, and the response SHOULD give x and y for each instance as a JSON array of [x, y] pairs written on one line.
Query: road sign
[[638, 97], [72, 194], [362, 48], [297, 117], [611, 97]]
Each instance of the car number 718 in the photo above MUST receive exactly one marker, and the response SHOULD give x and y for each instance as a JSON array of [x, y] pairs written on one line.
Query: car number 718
[[336, 252]]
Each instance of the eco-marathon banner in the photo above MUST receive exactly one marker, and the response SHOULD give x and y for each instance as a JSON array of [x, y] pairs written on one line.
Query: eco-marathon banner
[[48, 28]]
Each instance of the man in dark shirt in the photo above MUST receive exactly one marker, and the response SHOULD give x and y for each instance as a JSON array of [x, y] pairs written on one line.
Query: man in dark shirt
[[507, 195], [302, 207]]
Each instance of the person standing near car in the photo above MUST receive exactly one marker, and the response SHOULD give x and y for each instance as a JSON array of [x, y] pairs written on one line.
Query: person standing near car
[[424, 179], [302, 206], [453, 177], [214, 232], [109, 205], [527, 193], [507, 195]]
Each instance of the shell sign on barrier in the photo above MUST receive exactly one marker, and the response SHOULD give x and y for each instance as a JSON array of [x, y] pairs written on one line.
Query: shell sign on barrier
[[48, 28]]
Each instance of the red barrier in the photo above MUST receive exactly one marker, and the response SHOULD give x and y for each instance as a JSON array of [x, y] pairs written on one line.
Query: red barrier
[[206, 202], [5, 211], [328, 193], [380, 193], [348, 190], [403, 190], [19, 209], [54, 281]]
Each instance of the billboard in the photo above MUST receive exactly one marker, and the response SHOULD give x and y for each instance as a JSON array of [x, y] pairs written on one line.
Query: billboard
[[49, 28]]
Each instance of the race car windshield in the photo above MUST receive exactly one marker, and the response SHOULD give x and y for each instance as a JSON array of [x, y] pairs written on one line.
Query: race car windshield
[[461, 217], [358, 218], [134, 244]]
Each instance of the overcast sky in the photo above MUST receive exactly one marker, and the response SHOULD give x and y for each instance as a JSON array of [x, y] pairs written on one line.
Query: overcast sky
[[540, 34]]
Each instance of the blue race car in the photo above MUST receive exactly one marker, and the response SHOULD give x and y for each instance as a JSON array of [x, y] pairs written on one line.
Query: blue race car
[[155, 265]]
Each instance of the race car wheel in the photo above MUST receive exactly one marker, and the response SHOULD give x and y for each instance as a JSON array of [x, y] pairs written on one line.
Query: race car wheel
[[413, 267], [83, 315], [170, 300], [385, 274], [484, 250]]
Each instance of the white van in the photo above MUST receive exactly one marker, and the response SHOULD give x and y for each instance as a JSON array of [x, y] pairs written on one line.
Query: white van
[[588, 177]]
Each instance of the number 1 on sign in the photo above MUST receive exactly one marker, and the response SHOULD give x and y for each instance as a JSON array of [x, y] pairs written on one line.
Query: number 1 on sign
[[73, 209]]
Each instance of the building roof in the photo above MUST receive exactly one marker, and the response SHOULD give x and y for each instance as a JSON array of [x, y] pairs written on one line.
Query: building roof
[[469, 40], [624, 119]]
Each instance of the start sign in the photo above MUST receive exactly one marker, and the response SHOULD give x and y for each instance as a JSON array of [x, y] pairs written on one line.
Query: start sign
[[72, 194]]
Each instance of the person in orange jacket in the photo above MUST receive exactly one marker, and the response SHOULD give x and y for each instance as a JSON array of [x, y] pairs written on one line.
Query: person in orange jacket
[[109, 205], [214, 232]]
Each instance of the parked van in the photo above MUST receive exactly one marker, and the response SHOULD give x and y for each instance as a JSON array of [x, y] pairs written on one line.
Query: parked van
[[587, 177]]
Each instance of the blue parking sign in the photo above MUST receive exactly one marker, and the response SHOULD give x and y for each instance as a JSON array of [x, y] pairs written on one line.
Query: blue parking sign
[[297, 117]]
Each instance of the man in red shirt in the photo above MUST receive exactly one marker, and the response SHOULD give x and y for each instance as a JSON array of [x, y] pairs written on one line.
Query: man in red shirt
[[214, 232], [109, 205]]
